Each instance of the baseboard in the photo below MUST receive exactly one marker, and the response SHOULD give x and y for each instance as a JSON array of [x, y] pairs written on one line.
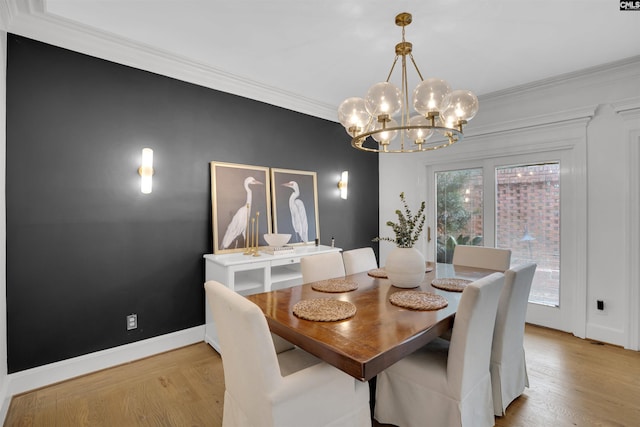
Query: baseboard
[[211, 338], [5, 400], [607, 335], [41, 376]]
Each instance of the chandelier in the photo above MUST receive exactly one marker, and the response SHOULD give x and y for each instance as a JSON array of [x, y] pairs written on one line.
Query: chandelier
[[384, 113]]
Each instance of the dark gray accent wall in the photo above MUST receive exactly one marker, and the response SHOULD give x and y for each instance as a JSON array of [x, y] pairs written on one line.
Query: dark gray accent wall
[[85, 247]]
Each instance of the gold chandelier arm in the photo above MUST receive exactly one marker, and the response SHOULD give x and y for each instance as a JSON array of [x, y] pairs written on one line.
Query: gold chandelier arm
[[416, 67], [404, 117], [453, 135], [392, 67], [442, 129], [359, 146]]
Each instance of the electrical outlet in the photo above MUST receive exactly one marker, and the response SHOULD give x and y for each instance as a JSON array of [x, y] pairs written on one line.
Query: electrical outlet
[[132, 321], [600, 304]]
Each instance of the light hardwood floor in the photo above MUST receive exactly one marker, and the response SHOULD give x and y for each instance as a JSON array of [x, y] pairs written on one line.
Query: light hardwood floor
[[574, 382]]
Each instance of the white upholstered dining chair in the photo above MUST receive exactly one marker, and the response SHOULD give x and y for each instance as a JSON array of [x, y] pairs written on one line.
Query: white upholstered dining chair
[[359, 260], [447, 383], [263, 388], [508, 365], [321, 267], [482, 257]]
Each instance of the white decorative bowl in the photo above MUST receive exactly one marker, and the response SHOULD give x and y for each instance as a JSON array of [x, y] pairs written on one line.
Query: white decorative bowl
[[276, 239]]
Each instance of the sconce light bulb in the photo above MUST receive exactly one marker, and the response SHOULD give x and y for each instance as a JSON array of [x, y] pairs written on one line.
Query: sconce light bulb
[[146, 171], [343, 185], [146, 185]]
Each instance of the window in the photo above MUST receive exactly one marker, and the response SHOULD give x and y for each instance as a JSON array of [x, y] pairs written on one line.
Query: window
[[527, 218], [528, 222], [459, 218]]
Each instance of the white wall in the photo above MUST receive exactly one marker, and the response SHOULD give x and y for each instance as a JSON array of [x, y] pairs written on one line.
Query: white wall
[[607, 218], [603, 104], [4, 399]]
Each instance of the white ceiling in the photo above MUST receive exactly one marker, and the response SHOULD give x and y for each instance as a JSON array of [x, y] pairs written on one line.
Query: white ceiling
[[325, 51]]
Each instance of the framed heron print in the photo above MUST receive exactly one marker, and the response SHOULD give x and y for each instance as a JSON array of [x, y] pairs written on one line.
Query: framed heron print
[[295, 204], [240, 205]]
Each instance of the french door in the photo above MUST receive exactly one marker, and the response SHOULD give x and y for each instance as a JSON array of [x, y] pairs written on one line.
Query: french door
[[522, 203]]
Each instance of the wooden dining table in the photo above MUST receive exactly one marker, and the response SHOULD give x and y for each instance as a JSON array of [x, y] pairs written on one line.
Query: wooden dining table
[[379, 334]]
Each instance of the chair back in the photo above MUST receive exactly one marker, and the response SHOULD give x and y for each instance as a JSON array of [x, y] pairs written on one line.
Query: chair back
[[249, 360], [359, 260], [482, 257], [321, 267], [508, 336], [472, 334]]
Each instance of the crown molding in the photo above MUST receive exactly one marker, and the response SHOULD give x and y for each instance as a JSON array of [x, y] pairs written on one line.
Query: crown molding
[[5, 14], [564, 130], [551, 82], [9, 9], [628, 107], [28, 18], [579, 115]]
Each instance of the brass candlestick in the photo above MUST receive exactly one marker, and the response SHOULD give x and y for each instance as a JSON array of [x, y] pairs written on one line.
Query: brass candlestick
[[253, 229], [247, 232], [255, 250]]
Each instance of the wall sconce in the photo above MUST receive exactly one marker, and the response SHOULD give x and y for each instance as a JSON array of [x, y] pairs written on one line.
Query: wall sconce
[[146, 170], [343, 184]]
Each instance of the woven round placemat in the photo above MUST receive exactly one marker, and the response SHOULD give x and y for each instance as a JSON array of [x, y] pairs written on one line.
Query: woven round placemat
[[450, 284], [377, 272], [324, 309], [418, 300], [335, 285], [381, 273]]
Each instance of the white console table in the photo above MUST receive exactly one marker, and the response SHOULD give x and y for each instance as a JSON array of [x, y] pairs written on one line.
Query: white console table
[[248, 275]]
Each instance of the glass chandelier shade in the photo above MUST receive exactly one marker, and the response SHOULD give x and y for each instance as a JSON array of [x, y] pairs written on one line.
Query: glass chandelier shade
[[353, 115], [460, 105], [383, 98], [384, 115], [429, 95], [419, 131], [384, 132]]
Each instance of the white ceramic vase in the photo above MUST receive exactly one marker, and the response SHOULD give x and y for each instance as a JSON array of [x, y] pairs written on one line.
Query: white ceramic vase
[[405, 267]]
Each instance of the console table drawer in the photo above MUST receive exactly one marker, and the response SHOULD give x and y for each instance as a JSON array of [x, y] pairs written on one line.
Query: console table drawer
[[285, 261]]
